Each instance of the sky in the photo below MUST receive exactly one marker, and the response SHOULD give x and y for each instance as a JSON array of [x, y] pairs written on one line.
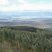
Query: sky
[[22, 5]]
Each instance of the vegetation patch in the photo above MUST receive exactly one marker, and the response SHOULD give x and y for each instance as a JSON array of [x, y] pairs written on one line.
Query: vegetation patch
[[25, 39]]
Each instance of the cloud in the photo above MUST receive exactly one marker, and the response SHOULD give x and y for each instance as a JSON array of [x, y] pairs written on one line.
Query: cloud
[[21, 5], [3, 2]]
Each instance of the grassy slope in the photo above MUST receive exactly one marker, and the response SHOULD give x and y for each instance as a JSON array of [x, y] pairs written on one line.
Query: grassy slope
[[19, 30]]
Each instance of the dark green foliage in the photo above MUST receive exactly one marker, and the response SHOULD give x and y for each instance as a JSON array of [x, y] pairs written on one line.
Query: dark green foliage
[[36, 40]]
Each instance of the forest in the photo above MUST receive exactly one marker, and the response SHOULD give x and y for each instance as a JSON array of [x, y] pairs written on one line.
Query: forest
[[25, 39]]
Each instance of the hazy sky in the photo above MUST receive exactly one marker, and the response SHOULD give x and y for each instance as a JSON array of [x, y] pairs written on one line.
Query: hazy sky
[[21, 5]]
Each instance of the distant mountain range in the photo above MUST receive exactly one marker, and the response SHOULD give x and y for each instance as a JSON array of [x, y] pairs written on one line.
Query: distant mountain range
[[27, 18], [37, 14], [35, 22]]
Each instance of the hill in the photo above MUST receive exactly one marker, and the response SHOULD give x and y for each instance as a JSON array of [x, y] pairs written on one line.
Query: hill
[[25, 39]]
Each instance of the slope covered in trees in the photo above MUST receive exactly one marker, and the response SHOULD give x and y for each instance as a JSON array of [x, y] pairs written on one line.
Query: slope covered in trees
[[25, 39]]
